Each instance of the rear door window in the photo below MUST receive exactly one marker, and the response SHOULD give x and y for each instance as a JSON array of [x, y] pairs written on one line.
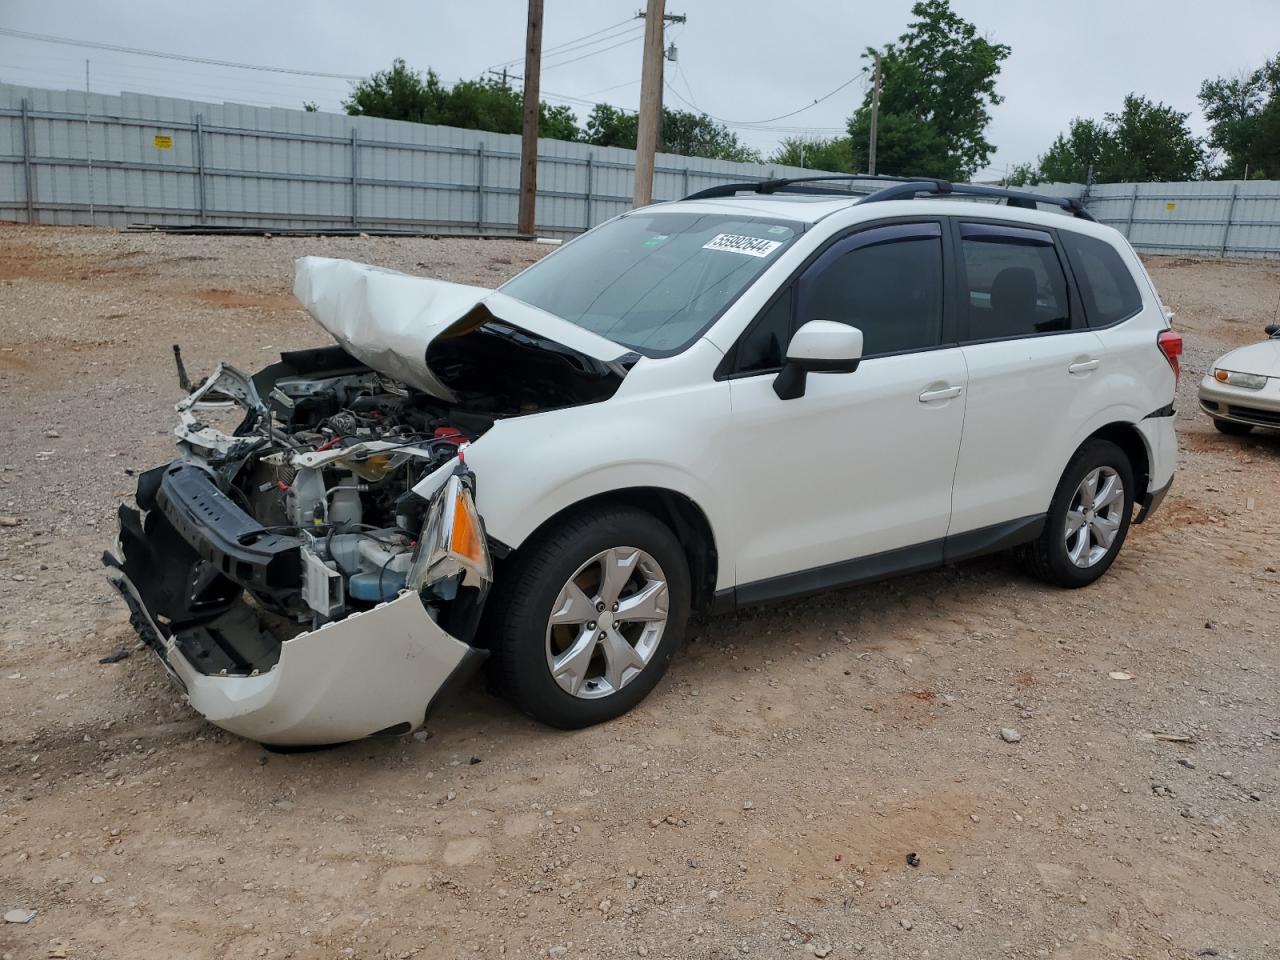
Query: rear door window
[[1015, 282], [1104, 281]]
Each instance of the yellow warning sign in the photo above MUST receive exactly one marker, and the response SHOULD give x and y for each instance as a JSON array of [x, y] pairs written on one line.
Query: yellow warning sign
[[163, 142], [1171, 206]]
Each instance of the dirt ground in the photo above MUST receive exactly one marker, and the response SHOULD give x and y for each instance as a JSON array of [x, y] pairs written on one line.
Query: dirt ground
[[761, 803]]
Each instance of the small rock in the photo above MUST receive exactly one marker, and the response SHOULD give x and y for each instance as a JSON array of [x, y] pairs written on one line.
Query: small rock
[[7, 521], [1255, 796], [19, 916], [905, 923], [98, 878], [821, 951], [748, 805], [1186, 762], [559, 950], [52, 434], [1010, 735]]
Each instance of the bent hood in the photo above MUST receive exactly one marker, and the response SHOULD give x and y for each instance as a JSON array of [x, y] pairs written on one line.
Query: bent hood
[[386, 319]]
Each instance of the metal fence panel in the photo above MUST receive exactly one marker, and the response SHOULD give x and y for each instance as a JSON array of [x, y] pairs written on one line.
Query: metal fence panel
[[71, 158], [68, 157]]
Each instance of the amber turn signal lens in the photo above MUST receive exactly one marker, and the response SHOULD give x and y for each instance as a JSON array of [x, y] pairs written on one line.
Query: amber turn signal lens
[[1221, 375], [465, 540]]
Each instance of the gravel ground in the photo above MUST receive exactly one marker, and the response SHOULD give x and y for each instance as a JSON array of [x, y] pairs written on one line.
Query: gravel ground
[[763, 802]]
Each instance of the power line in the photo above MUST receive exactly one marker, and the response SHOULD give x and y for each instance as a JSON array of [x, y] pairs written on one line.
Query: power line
[[781, 116], [561, 47], [97, 45], [623, 43]]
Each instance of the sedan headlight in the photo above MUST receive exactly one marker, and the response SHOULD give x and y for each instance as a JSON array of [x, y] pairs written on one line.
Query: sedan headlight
[[1250, 381], [453, 539]]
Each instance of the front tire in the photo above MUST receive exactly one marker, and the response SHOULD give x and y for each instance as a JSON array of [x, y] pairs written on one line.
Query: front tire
[[1088, 517], [588, 615], [1231, 428]]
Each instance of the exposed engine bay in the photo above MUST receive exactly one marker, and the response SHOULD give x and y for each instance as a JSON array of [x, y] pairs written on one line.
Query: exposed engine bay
[[324, 505]]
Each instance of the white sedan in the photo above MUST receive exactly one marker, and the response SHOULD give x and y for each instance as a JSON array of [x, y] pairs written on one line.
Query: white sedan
[[1242, 388]]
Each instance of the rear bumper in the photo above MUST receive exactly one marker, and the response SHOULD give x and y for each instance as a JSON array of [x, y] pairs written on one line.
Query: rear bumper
[[1151, 501], [378, 670]]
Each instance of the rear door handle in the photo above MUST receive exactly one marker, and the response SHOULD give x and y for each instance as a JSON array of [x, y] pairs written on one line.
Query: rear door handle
[[945, 393], [1084, 366]]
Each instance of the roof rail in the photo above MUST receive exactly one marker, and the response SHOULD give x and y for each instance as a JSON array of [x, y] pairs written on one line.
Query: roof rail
[[785, 185], [901, 188], [1012, 198]]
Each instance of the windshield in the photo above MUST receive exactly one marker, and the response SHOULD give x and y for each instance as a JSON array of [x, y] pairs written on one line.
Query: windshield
[[654, 281]]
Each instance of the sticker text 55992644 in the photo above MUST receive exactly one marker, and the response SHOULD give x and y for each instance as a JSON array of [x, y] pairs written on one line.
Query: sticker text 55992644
[[736, 243]]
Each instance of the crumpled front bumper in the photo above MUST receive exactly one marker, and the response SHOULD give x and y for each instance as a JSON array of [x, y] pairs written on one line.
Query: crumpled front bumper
[[378, 670]]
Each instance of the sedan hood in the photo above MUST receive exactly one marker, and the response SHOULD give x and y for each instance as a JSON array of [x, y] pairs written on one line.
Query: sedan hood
[[387, 319], [1260, 358]]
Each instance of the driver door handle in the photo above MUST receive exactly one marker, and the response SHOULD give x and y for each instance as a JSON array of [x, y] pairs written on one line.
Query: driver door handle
[[1084, 366], [944, 393]]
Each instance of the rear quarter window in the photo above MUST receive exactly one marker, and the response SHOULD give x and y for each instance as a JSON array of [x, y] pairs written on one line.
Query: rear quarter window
[[1105, 283]]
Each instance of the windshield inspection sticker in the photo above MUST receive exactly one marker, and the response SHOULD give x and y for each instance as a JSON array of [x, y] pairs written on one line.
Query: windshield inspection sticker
[[735, 243]]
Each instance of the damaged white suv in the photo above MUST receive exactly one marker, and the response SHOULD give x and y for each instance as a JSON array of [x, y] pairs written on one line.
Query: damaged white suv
[[698, 405]]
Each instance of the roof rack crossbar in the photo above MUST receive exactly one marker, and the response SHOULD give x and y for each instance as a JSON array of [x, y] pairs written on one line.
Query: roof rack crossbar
[[900, 188]]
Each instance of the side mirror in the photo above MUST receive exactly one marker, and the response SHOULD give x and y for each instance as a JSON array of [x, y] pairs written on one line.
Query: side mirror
[[820, 346], [1271, 329]]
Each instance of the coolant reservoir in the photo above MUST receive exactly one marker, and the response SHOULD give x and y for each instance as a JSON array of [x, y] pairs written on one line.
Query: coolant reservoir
[[366, 586]]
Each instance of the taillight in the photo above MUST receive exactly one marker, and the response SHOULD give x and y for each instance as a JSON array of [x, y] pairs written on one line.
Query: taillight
[[1170, 344]]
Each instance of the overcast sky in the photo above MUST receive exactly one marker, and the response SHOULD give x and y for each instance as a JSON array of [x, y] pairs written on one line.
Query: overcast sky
[[738, 60]]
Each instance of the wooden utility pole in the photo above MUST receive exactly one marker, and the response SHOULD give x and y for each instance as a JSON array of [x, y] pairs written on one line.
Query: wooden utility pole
[[650, 102], [875, 120], [529, 141]]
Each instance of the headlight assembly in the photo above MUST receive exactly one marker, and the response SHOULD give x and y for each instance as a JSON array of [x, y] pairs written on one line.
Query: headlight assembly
[[452, 540], [1249, 381]]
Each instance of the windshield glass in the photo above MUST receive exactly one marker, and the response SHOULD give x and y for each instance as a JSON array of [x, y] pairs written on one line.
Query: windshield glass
[[654, 281]]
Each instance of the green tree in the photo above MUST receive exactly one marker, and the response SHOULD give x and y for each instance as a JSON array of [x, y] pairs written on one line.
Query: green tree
[[607, 126], [1070, 156], [1024, 175], [1244, 120], [937, 82], [398, 94], [683, 132], [401, 93], [1145, 142], [834, 154]]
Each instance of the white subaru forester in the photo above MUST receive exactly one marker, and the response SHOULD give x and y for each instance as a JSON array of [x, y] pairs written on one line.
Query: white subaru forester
[[762, 391]]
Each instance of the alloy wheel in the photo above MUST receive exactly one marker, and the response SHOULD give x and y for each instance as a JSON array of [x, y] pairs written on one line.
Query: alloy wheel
[[1093, 518], [607, 622]]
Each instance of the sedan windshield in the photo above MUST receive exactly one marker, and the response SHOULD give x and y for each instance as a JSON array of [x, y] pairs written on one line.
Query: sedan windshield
[[654, 281]]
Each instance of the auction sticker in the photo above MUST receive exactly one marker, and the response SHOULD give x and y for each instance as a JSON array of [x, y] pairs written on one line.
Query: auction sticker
[[736, 243]]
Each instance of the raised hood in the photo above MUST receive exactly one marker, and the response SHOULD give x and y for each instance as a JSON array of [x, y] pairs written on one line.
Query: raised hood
[[387, 320]]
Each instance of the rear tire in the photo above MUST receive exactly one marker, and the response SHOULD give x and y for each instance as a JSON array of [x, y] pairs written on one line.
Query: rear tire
[[1233, 429], [587, 616], [1088, 518]]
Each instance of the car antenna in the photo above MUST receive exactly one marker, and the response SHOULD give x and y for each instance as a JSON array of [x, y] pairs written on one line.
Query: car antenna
[[183, 380]]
